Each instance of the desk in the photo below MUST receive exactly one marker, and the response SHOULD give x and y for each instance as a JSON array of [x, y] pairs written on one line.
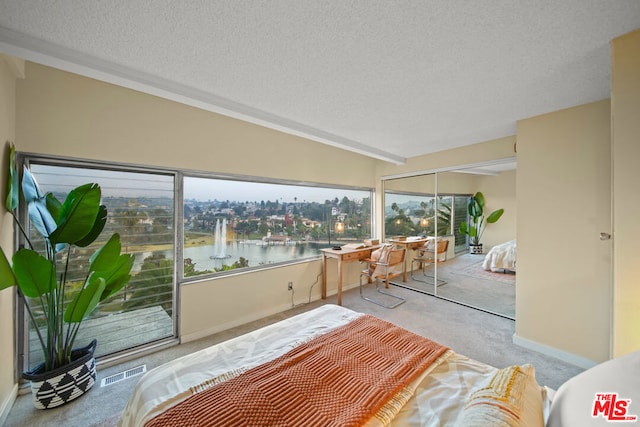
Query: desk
[[343, 255], [412, 244]]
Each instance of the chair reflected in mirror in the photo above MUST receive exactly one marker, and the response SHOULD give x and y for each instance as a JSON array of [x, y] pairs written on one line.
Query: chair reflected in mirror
[[384, 265], [434, 250]]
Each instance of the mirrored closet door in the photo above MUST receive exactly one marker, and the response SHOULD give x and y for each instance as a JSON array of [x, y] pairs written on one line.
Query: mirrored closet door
[[426, 210]]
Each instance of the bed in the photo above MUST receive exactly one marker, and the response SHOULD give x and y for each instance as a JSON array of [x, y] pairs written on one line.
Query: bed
[[449, 389], [501, 257]]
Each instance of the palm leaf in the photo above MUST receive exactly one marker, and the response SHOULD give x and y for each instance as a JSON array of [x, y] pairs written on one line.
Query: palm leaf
[[118, 276], [85, 301], [104, 258], [35, 274], [7, 278], [98, 226], [77, 215], [114, 268], [494, 216]]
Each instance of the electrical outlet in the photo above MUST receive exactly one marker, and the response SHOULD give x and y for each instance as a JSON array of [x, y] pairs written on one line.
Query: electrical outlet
[[290, 286]]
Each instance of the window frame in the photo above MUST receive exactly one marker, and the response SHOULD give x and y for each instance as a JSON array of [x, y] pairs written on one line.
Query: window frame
[[22, 321], [262, 180]]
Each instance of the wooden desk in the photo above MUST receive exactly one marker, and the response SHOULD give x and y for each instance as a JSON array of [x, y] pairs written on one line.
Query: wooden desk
[[408, 244], [343, 255]]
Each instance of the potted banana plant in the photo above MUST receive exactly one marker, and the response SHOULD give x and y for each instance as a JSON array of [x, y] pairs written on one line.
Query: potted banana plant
[[56, 303], [476, 222]]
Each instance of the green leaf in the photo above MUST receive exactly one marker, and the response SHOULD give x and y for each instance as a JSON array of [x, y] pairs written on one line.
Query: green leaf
[[85, 301], [98, 226], [494, 216], [78, 214], [474, 208], [114, 268], [104, 258], [35, 274], [117, 277], [7, 278], [13, 182], [53, 206], [479, 198]]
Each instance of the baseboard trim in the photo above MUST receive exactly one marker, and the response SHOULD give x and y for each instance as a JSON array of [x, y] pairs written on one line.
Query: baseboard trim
[[8, 404], [567, 357]]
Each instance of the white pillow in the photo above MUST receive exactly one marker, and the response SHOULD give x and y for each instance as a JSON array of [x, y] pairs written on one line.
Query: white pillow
[[512, 398]]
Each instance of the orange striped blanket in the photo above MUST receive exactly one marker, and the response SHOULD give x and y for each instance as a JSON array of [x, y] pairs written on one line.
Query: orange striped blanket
[[341, 378]]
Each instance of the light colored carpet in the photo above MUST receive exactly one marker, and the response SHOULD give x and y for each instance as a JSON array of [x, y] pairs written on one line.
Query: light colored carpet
[[476, 271], [468, 283], [474, 333]]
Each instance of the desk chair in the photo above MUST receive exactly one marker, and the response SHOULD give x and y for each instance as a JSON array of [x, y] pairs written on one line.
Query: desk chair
[[427, 255], [383, 269]]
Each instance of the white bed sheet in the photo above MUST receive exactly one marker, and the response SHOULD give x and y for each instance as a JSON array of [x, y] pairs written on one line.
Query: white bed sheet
[[501, 257], [437, 401]]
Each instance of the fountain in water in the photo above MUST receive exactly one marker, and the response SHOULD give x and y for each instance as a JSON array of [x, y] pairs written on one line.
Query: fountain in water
[[220, 242]]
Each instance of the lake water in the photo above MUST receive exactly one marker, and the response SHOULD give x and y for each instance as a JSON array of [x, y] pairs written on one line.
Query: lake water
[[256, 254]]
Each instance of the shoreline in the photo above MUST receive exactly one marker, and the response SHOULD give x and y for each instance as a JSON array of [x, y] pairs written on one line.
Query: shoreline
[[204, 240]]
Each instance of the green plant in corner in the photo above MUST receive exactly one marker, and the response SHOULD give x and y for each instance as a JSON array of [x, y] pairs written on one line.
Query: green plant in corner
[[477, 222], [55, 306]]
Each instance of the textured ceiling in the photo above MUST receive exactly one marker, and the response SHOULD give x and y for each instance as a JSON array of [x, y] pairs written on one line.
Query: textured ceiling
[[391, 79]]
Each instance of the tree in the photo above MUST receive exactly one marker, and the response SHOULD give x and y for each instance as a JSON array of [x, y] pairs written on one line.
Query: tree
[[241, 263], [399, 224], [153, 285]]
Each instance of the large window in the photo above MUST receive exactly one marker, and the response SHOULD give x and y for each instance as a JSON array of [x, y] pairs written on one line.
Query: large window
[[140, 208], [235, 224]]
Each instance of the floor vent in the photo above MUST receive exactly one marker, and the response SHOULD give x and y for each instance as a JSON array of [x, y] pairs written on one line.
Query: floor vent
[[121, 376]]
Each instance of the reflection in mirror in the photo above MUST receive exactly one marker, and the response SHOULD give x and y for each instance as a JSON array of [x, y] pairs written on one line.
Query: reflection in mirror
[[410, 221], [409, 205], [433, 206]]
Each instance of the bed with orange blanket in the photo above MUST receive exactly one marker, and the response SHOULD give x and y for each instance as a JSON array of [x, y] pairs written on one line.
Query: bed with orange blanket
[[333, 366]]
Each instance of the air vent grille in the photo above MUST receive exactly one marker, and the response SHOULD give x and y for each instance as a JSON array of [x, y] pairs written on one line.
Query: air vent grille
[[121, 376]]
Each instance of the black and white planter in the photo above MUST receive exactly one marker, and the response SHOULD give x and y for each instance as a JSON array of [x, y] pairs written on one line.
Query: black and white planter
[[66, 383], [475, 249]]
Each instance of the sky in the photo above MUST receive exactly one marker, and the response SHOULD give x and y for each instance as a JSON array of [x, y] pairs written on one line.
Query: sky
[[133, 184]]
